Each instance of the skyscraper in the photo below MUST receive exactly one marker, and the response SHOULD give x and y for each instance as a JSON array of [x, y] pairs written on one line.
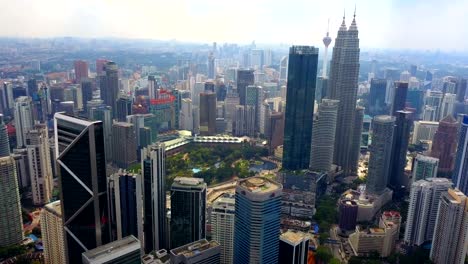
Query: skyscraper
[[460, 173], [323, 136], [348, 215], [399, 99], [257, 221], [52, 233], [424, 167], [207, 114], [245, 77], [222, 225], [11, 222], [422, 211], [302, 72], [376, 99], [100, 65], [153, 164], [124, 144], [188, 205], [293, 247], [402, 131], [380, 154], [343, 84], [110, 85], [81, 164], [81, 70], [40, 166], [444, 144], [448, 105], [24, 119], [451, 229], [124, 108], [244, 121], [284, 69], [461, 89], [211, 66], [87, 92]]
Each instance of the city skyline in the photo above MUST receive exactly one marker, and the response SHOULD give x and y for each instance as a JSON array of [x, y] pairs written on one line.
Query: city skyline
[[305, 22]]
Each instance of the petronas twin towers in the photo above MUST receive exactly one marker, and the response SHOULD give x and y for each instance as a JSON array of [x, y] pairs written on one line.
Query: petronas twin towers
[[343, 86]]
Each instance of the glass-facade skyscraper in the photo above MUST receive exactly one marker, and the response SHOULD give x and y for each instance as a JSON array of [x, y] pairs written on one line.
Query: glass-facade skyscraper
[[302, 75], [81, 164]]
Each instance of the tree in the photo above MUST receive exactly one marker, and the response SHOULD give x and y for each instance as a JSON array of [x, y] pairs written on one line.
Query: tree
[[324, 254], [335, 261]]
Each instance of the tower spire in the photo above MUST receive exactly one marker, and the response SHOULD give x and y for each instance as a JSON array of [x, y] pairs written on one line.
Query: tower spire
[[343, 24], [353, 23]]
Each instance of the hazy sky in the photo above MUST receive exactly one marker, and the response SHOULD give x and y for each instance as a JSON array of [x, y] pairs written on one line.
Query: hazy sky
[[415, 24]]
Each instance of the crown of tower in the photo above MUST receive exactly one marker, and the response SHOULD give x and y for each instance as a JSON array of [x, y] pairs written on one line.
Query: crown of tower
[[353, 24], [343, 24]]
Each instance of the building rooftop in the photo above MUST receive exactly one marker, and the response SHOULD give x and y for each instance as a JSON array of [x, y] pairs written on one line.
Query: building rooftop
[[108, 251], [423, 158], [293, 237], [54, 208], [225, 201], [123, 124], [189, 182], [259, 185], [194, 248]]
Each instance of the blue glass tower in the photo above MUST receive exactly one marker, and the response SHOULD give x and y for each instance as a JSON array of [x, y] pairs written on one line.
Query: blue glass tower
[[460, 174], [302, 75], [257, 221]]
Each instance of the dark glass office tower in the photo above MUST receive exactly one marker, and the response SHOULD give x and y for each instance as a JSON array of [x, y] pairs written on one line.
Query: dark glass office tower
[[110, 86], [403, 124], [377, 105], [154, 197], [245, 77], [87, 92], [415, 99], [399, 101], [302, 75], [81, 164], [207, 114], [188, 205], [128, 205], [124, 108]]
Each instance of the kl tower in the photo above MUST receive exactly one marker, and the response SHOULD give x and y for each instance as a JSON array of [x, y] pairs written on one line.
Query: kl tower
[[326, 41]]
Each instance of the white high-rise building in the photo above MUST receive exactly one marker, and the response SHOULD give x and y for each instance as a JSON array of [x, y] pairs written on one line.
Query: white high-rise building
[[40, 168], [24, 119], [425, 167], [222, 225], [449, 243], [448, 104], [186, 114], [422, 211], [284, 69], [424, 130], [52, 233]]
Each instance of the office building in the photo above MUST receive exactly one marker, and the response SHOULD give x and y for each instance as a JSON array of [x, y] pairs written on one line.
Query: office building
[[448, 105], [124, 144], [86, 92], [124, 108], [257, 221], [109, 85], [380, 154], [153, 164], [451, 229], [222, 225], [122, 251], [186, 115], [81, 168], [11, 222], [415, 99], [188, 205], [207, 114], [284, 69], [81, 70], [323, 136], [433, 100], [104, 114], [348, 211], [460, 173], [52, 233], [40, 166], [403, 124], [244, 121], [201, 251], [24, 119], [422, 211], [377, 105], [444, 144], [245, 77], [293, 247], [424, 131], [343, 84], [302, 72], [274, 129], [424, 167], [399, 99]]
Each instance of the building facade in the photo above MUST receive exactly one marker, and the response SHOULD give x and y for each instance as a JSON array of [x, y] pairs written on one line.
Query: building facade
[[444, 145], [222, 226], [52, 233]]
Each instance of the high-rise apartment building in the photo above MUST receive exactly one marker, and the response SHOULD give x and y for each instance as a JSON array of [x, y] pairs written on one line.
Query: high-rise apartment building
[[403, 124], [81, 168], [222, 225], [257, 221], [424, 167], [323, 136], [343, 84], [153, 164], [460, 173], [52, 233], [380, 154], [302, 75], [81, 70], [245, 77], [24, 119], [444, 145], [207, 114], [188, 205], [40, 166], [422, 211], [124, 144], [451, 229], [293, 247]]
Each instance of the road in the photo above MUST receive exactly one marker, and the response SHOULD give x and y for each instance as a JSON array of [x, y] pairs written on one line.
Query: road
[[336, 247]]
